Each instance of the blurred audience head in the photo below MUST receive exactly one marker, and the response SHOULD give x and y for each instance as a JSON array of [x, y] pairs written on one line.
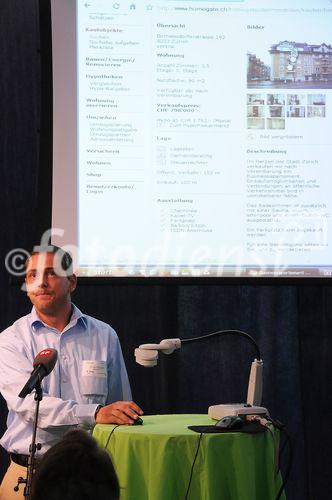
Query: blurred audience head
[[76, 468]]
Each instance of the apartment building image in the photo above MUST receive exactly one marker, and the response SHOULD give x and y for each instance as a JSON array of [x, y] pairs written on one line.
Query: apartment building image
[[301, 62]]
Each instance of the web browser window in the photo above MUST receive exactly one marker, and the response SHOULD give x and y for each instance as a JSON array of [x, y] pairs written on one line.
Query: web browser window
[[203, 142]]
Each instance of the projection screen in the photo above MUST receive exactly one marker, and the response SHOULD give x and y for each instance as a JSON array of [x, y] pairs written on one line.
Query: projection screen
[[193, 138]]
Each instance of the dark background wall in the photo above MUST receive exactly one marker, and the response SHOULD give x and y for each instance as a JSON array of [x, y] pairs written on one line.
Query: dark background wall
[[292, 324]]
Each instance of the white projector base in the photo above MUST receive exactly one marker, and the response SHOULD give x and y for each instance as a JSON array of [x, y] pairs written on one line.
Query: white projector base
[[219, 411]]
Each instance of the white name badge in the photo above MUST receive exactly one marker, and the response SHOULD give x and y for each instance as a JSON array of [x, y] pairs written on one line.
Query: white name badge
[[94, 369]]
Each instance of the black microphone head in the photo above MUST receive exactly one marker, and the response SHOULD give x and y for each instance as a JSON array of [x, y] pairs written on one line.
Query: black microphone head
[[47, 357]]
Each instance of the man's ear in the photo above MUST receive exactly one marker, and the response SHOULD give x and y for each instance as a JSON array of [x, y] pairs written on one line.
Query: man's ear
[[72, 282]]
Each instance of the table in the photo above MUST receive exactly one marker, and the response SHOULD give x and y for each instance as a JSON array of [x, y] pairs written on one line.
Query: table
[[154, 460]]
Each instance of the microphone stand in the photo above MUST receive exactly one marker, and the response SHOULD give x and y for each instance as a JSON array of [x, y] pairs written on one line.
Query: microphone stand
[[32, 448]]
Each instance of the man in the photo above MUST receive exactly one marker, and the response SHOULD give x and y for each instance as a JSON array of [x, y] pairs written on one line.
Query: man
[[89, 383]]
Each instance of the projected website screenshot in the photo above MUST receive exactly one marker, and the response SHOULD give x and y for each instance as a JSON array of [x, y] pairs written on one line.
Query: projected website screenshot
[[204, 138]]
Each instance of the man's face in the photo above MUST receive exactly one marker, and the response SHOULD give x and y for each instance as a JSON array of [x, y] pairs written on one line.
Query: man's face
[[48, 287]]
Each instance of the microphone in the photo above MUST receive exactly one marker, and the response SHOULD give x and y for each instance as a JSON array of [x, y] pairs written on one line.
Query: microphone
[[43, 364]]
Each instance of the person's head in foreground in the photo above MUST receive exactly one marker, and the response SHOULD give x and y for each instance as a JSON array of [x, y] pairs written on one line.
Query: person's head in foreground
[[76, 468]]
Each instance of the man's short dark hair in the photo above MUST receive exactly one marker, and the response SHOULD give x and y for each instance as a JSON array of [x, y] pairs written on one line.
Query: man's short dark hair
[[75, 468], [65, 259]]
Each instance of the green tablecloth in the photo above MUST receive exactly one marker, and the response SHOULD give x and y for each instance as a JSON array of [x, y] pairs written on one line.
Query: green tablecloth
[[153, 461]]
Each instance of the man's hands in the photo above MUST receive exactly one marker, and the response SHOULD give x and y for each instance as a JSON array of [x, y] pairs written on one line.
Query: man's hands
[[121, 412]]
